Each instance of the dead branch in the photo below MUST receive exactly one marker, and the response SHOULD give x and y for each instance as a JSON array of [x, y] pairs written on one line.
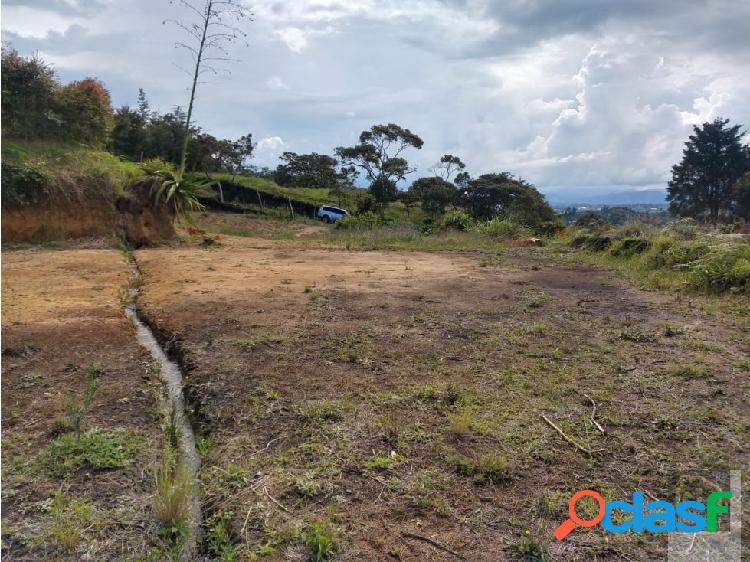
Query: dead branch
[[277, 502], [597, 425], [568, 439], [428, 540]]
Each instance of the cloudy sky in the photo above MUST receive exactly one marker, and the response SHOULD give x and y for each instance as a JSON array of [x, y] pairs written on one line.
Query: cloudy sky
[[567, 94]]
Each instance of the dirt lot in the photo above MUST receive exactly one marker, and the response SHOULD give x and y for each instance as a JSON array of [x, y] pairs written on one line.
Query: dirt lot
[[62, 320], [376, 399], [366, 395]]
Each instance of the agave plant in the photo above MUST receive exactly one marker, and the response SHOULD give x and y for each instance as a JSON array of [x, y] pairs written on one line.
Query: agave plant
[[176, 189]]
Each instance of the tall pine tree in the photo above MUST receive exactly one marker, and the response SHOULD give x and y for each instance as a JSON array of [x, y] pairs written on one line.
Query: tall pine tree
[[712, 161]]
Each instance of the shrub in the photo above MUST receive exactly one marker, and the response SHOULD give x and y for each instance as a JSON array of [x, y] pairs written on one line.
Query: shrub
[[361, 221], [96, 449], [458, 220], [724, 270], [670, 252], [503, 228], [319, 541], [22, 184]]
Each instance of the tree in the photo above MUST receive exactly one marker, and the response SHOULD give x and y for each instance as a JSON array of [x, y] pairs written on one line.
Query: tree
[[379, 155], [128, 135], [741, 196], [712, 161], [307, 170], [435, 194], [86, 111], [513, 198], [28, 85], [216, 29], [448, 166]]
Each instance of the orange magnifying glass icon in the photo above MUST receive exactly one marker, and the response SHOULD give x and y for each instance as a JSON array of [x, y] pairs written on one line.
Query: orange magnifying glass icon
[[569, 524]]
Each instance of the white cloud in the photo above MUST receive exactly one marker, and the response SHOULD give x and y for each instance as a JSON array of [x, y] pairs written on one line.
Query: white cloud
[[276, 83]]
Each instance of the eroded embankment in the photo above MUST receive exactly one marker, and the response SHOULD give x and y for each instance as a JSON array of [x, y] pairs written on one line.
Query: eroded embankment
[[173, 406]]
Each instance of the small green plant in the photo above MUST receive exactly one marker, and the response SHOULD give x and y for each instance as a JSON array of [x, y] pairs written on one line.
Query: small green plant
[[319, 541], [69, 516], [636, 335], [379, 463], [217, 539], [96, 449], [76, 410], [324, 411], [528, 549], [492, 469], [498, 227], [177, 190]]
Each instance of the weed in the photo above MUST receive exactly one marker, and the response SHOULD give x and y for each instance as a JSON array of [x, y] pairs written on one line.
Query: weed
[[217, 539], [527, 549], [689, 372], [493, 469], [203, 444], [307, 486], [636, 335], [76, 410], [459, 423], [379, 463], [173, 484], [69, 516], [96, 449], [324, 411], [319, 541]]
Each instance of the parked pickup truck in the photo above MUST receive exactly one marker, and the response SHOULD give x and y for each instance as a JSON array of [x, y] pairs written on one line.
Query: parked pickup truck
[[331, 214]]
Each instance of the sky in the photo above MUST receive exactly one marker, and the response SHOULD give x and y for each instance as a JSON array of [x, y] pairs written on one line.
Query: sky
[[570, 95]]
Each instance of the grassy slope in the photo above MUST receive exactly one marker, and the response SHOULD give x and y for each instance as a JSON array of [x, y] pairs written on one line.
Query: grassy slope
[[73, 171]]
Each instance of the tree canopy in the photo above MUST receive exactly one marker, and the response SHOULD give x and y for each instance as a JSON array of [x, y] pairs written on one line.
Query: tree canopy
[[712, 161], [435, 194], [307, 170], [503, 194], [379, 155]]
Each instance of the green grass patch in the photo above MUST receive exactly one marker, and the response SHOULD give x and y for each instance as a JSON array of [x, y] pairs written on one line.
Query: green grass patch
[[96, 449]]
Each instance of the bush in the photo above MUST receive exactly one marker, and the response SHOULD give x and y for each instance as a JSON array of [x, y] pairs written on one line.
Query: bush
[[22, 184], [96, 449], [493, 469], [725, 270], [671, 252], [361, 221], [458, 220], [503, 228]]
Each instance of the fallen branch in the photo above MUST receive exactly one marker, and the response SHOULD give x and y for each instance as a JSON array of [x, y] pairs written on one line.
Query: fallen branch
[[428, 540], [597, 425], [277, 502], [568, 439]]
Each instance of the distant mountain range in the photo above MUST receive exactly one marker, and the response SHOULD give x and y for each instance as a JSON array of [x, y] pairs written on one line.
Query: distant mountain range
[[581, 198]]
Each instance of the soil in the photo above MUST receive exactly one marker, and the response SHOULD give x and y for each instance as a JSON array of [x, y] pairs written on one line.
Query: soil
[[61, 315], [352, 387], [380, 393]]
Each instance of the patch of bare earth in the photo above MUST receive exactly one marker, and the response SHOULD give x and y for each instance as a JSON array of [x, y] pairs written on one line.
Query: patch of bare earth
[[62, 319], [383, 393]]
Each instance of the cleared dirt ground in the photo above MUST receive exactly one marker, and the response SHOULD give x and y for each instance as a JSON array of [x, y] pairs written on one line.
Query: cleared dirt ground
[[61, 317], [378, 393]]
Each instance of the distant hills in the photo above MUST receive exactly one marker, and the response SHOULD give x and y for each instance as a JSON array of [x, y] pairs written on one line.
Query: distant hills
[[584, 198]]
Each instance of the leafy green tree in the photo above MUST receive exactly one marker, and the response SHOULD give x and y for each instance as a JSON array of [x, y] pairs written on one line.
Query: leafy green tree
[[28, 86], [128, 136], [409, 198], [307, 170], [380, 155], [448, 166], [712, 161], [435, 194], [512, 198]]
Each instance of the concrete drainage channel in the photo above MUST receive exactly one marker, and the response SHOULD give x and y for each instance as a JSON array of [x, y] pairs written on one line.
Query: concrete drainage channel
[[173, 407]]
